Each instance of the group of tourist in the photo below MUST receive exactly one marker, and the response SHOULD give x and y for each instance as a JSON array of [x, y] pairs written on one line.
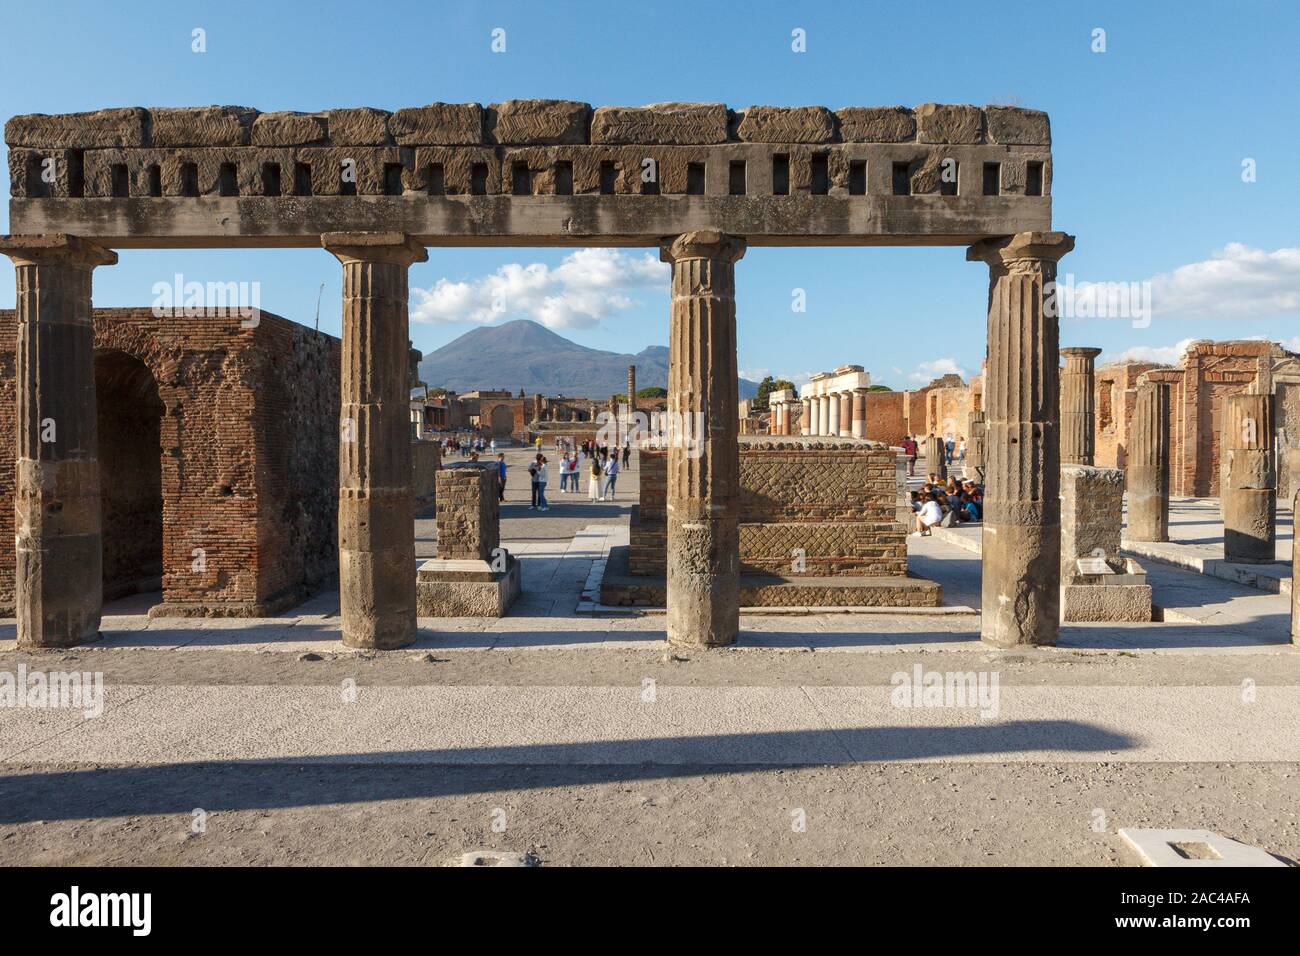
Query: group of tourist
[[467, 445], [600, 463], [945, 504]]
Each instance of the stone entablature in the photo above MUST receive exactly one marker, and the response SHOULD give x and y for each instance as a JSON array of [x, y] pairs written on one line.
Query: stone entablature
[[834, 403], [886, 156]]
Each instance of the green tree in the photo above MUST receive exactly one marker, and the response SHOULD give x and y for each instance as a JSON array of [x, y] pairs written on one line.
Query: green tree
[[767, 387], [652, 391], [879, 388]]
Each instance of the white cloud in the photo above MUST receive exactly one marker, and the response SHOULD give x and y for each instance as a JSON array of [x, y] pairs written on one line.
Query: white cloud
[[1163, 354], [928, 371], [1237, 282], [587, 286]]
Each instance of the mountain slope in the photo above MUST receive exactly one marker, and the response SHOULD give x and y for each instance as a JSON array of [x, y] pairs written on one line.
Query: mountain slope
[[524, 354]]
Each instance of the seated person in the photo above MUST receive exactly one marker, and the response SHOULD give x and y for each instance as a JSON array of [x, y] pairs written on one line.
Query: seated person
[[931, 514]]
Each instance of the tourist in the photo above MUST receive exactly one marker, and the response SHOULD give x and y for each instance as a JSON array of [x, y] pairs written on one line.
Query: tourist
[[532, 480], [501, 476], [916, 501], [909, 449], [627, 454], [948, 448], [542, 504], [593, 486], [961, 449], [566, 470], [611, 478], [930, 515]]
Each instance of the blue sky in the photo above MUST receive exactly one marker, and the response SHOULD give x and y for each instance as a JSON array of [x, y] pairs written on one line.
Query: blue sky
[[1149, 138]]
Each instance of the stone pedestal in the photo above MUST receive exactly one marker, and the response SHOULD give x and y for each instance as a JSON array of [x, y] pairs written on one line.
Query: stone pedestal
[[1097, 582], [1248, 479], [376, 536], [472, 575], [1022, 507], [1147, 473], [859, 429], [703, 586], [936, 457], [58, 523], [1078, 406]]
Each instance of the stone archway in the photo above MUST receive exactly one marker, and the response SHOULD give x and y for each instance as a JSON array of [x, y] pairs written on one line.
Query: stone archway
[[502, 421], [130, 467]]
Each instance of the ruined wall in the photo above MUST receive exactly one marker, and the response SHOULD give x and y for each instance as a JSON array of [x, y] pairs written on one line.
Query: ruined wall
[[833, 499], [247, 455], [468, 514], [886, 418]]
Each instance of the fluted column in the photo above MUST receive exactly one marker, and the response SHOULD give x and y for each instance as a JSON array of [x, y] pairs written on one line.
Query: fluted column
[[806, 421], [376, 537], [1248, 479], [846, 414], [859, 429], [974, 466], [1078, 406], [58, 541], [1146, 474], [703, 477], [631, 402], [833, 425], [1022, 506]]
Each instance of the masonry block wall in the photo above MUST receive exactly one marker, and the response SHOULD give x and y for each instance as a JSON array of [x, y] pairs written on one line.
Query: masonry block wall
[[426, 459], [886, 417], [239, 425], [1092, 505], [468, 513], [835, 500]]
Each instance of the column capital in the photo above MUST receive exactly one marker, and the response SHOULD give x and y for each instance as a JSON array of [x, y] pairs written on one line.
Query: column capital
[[1075, 351], [703, 244], [1002, 252], [395, 247], [58, 247]]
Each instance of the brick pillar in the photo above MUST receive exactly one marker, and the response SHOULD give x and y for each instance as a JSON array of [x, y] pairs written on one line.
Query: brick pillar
[[1146, 474], [58, 577], [1022, 506], [376, 537], [1248, 479], [859, 429], [806, 421], [703, 482], [975, 446], [1078, 406]]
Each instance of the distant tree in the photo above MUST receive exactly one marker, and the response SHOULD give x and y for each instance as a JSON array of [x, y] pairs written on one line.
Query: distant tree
[[437, 392], [765, 388], [652, 391], [879, 388]]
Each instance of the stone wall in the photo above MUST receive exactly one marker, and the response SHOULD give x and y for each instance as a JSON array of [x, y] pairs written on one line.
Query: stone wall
[[243, 425], [468, 512], [426, 459], [886, 418], [833, 499]]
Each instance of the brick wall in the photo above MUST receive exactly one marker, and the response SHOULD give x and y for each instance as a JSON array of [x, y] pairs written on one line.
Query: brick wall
[[468, 513], [246, 452], [886, 418], [836, 500]]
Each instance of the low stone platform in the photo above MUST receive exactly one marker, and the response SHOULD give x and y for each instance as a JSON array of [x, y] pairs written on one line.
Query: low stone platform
[[466, 588], [618, 588]]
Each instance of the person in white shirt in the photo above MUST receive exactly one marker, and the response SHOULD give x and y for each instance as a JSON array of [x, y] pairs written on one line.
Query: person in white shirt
[[929, 516], [542, 504], [611, 477]]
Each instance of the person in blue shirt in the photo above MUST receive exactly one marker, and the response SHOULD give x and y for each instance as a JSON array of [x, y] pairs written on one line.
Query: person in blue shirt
[[501, 476]]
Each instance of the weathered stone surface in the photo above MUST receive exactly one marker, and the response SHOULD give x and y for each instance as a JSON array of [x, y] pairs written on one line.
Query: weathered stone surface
[[1078, 406], [359, 126], [97, 129], [668, 124], [876, 124], [787, 124], [1248, 482], [1012, 125], [289, 129], [1092, 504], [440, 592], [438, 124], [1106, 602], [201, 126], [1147, 474], [539, 122], [938, 123]]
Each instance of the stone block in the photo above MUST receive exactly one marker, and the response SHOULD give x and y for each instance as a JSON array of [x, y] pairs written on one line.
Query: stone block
[[289, 129], [1012, 125], [938, 123], [1106, 602], [876, 124], [781, 124], [454, 588], [113, 128], [201, 126], [1092, 501], [358, 126], [669, 124], [438, 124], [539, 122]]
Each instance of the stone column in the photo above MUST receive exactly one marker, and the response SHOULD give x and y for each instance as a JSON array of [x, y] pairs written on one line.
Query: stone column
[[1295, 576], [703, 481], [1146, 475], [974, 467], [833, 423], [859, 429], [1248, 479], [58, 541], [846, 414], [1078, 406], [806, 421], [376, 537], [1022, 506]]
